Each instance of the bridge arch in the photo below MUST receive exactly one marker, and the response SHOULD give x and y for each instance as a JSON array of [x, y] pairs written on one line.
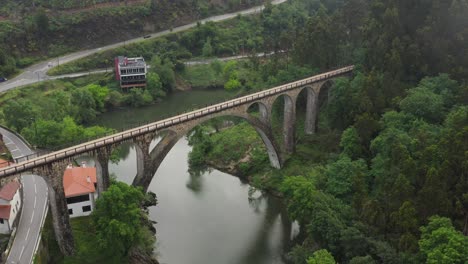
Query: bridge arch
[[148, 162], [263, 109]]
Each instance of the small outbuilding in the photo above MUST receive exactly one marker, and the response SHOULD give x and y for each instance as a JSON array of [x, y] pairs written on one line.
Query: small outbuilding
[[10, 205], [79, 184]]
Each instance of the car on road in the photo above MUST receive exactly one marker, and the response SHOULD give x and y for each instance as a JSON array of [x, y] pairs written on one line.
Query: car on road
[[3, 79], [147, 36]]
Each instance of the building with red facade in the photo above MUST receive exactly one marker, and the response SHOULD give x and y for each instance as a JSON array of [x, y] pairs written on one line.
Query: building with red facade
[[130, 72]]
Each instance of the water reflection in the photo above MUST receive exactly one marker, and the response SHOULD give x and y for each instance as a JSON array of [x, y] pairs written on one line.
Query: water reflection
[[203, 217]]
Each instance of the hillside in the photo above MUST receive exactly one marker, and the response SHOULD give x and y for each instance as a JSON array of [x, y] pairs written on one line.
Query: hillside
[[34, 30]]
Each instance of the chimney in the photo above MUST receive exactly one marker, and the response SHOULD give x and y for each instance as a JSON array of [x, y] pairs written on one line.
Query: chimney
[[88, 179]]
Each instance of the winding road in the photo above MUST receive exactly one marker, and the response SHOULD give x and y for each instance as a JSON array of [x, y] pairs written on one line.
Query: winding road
[[38, 72], [35, 191], [34, 205]]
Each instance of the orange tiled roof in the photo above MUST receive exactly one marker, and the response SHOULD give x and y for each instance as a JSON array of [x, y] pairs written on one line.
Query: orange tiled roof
[[8, 191], [5, 211], [75, 181]]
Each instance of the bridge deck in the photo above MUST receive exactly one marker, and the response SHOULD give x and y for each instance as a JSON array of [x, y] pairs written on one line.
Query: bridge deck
[[34, 162]]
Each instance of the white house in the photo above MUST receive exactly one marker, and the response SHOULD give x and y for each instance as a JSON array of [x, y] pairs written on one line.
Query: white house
[[10, 204], [79, 184]]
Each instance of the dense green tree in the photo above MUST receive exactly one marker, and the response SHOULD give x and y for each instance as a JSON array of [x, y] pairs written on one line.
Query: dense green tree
[[207, 50], [351, 143], [99, 94], [118, 219], [321, 257], [84, 106], [19, 114], [416, 103], [441, 243], [154, 85], [341, 176]]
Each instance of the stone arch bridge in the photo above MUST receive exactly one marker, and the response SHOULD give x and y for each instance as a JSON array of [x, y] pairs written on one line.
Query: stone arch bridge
[[51, 166]]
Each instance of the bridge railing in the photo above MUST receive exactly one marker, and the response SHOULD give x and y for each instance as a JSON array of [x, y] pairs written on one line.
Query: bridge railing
[[43, 157]]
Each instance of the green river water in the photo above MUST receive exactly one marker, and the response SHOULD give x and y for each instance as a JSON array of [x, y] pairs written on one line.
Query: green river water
[[203, 219]]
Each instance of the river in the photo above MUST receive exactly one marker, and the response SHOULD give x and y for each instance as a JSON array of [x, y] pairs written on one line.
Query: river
[[203, 219]]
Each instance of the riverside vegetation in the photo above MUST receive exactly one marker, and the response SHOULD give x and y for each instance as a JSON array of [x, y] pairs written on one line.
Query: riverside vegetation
[[384, 180], [34, 30], [117, 231]]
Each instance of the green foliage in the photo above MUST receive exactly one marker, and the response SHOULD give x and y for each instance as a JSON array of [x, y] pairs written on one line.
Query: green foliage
[[18, 114], [441, 243], [347, 178], [362, 260], [351, 143], [416, 103], [118, 219], [207, 50], [52, 134], [321, 257], [99, 94], [138, 97], [154, 85], [84, 106], [232, 84], [165, 71]]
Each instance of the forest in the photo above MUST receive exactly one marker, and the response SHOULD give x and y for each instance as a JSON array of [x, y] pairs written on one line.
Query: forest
[[385, 179], [35, 30]]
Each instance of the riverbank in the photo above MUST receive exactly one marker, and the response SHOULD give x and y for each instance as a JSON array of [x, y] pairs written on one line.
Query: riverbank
[[89, 239]]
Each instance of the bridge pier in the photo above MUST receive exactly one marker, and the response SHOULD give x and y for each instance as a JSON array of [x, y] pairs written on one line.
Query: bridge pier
[[148, 163], [102, 158], [311, 112], [53, 174], [289, 124]]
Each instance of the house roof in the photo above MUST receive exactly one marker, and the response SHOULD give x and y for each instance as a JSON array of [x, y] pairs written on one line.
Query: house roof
[[75, 181], [9, 190], [5, 211]]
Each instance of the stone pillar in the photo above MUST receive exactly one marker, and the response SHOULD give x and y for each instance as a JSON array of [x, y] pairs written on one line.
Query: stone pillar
[[264, 113], [311, 112], [289, 125], [102, 168], [148, 163], [53, 174], [142, 146]]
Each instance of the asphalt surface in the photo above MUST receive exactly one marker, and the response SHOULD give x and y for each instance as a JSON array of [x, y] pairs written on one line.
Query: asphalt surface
[[38, 72], [35, 202]]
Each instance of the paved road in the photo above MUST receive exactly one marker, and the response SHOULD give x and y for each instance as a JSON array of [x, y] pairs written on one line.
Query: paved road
[[38, 72], [35, 202], [188, 63]]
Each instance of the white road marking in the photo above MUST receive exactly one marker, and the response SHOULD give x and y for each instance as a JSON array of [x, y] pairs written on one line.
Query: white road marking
[[9, 143], [35, 189], [21, 254], [32, 216], [14, 150], [35, 200], [27, 234]]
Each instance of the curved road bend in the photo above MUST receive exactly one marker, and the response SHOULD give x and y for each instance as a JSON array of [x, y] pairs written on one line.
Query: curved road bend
[[34, 206], [38, 72]]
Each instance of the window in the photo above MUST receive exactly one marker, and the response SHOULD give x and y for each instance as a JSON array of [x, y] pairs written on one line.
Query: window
[[70, 211], [78, 199], [1, 221], [86, 208]]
